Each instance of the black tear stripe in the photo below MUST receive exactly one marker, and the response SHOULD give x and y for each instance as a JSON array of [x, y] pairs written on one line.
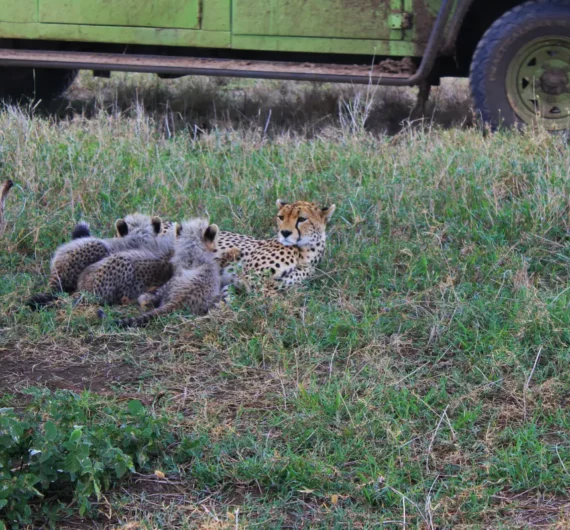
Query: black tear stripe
[[297, 228]]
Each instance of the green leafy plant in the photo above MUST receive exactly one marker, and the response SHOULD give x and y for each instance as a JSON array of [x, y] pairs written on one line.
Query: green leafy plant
[[70, 447]]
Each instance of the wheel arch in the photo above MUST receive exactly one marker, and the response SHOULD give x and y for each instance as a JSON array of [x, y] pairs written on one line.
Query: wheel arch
[[469, 23]]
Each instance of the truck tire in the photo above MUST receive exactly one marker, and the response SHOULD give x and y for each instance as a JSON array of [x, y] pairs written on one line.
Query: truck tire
[[19, 83], [520, 72]]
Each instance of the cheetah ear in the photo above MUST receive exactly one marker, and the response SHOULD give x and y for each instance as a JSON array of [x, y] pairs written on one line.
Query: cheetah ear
[[211, 234], [178, 229], [121, 227], [327, 213], [156, 224], [280, 203]]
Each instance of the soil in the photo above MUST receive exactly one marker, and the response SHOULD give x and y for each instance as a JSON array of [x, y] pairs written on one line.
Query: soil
[[69, 373], [405, 67]]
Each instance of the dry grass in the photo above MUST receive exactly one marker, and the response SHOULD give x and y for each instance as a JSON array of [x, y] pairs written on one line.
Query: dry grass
[[200, 104], [402, 387]]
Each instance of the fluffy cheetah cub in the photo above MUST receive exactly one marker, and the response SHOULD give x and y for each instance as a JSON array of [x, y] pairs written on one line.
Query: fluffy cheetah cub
[[122, 277], [196, 284], [71, 258]]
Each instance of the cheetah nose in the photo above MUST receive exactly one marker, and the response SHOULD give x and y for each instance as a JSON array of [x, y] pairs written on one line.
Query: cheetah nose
[[286, 233]]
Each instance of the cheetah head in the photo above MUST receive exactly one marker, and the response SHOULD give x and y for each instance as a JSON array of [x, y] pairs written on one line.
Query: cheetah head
[[139, 224], [302, 223], [196, 241]]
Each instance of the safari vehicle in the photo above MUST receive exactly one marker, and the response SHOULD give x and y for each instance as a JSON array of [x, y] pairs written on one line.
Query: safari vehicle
[[516, 53]]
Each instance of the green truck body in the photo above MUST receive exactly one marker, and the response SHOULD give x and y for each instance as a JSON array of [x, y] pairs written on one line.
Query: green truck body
[[337, 39], [367, 27]]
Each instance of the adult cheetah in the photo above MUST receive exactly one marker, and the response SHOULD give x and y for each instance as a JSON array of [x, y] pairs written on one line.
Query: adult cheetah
[[290, 258]]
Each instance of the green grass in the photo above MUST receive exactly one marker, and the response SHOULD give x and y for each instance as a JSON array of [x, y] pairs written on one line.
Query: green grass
[[398, 389]]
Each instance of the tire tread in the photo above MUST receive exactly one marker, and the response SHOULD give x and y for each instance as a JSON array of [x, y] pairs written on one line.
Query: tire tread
[[483, 54]]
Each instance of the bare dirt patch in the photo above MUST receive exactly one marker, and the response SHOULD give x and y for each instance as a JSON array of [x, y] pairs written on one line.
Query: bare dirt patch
[[60, 369]]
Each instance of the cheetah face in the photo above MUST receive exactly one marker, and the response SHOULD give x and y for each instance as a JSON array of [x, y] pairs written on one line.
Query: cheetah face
[[301, 223], [196, 242], [137, 223]]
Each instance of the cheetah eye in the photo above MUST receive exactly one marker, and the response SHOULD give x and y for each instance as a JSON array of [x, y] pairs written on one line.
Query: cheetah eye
[[280, 217], [301, 219]]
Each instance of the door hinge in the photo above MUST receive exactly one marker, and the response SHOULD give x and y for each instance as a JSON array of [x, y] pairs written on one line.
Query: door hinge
[[400, 20]]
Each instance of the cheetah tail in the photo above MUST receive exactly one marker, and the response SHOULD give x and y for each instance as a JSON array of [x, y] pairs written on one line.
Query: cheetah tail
[[38, 301], [145, 318], [81, 230]]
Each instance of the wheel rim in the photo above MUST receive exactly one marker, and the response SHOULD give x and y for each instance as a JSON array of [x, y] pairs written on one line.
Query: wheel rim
[[538, 83]]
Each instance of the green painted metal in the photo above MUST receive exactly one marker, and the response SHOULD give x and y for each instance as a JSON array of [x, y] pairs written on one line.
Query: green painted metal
[[362, 19], [395, 8], [400, 21], [116, 34], [147, 13], [370, 27], [216, 15], [18, 11], [320, 45], [538, 82]]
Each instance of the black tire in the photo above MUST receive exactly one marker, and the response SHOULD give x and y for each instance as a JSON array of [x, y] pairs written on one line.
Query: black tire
[[494, 93], [45, 84]]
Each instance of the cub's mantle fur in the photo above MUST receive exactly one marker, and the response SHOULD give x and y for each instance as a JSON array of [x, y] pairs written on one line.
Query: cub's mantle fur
[[196, 284], [71, 258]]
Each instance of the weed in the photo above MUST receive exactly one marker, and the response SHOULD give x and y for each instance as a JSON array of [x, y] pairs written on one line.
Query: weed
[[71, 446]]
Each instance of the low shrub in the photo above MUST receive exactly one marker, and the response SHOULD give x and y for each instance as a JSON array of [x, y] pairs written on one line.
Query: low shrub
[[69, 447]]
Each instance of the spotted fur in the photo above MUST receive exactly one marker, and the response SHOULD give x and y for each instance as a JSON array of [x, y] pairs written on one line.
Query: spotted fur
[[290, 258], [167, 227], [196, 284], [71, 258], [122, 277]]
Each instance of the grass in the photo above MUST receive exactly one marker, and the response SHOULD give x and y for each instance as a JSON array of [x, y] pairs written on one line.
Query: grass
[[420, 381], [202, 104]]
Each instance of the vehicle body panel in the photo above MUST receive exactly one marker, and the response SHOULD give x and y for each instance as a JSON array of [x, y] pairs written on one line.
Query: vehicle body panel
[[116, 35], [345, 19], [325, 46], [358, 27], [183, 14], [18, 11]]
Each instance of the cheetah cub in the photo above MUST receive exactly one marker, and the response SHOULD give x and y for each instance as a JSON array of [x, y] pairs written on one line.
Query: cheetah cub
[[196, 284], [123, 276], [71, 258]]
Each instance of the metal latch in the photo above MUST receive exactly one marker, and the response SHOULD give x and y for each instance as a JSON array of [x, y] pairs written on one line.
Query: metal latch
[[400, 20]]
